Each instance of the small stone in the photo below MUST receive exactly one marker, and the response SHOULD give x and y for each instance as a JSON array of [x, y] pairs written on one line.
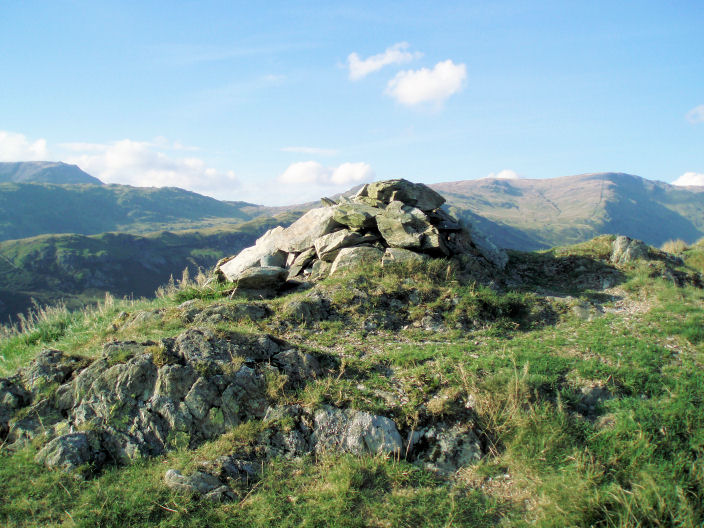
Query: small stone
[[199, 483]]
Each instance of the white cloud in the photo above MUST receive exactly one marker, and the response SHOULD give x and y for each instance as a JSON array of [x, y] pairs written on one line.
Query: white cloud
[[690, 179], [144, 164], [16, 147], [311, 150], [313, 173], [396, 54], [505, 174], [413, 87], [696, 114]]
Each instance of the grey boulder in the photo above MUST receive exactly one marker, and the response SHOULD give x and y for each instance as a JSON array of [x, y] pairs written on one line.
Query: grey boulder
[[624, 250], [328, 246], [66, 452], [301, 235], [355, 432], [401, 256], [353, 257], [262, 278], [266, 246], [403, 226], [356, 215], [199, 483]]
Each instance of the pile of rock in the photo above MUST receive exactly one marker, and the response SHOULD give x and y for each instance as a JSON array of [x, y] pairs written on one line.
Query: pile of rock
[[387, 221]]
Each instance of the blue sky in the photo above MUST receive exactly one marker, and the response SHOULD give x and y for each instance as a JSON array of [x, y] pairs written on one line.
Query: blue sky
[[268, 104]]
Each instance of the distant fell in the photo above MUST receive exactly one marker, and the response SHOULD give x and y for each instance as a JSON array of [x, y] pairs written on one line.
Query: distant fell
[[535, 214], [31, 209], [78, 269], [44, 172]]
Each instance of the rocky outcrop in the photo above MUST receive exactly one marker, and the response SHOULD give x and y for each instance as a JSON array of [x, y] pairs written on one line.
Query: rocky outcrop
[[625, 250], [141, 399], [292, 431], [383, 218]]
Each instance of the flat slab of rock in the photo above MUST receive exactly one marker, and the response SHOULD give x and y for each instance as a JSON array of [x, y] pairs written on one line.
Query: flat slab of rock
[[414, 194], [401, 256], [328, 246], [355, 256], [356, 215], [265, 246], [302, 234], [262, 278]]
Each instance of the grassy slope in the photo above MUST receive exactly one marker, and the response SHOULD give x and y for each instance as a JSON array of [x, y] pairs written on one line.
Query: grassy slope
[[572, 209], [30, 209], [635, 461], [79, 269]]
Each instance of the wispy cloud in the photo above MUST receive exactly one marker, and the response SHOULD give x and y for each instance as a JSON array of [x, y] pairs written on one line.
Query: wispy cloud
[[159, 142], [415, 87], [696, 114], [315, 151], [216, 98], [690, 179], [396, 54], [17, 147], [187, 54], [312, 172], [505, 174]]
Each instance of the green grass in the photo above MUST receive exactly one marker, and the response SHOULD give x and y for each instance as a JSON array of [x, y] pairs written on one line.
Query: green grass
[[631, 458]]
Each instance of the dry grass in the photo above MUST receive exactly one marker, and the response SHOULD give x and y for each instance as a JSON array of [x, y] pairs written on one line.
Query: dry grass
[[675, 247]]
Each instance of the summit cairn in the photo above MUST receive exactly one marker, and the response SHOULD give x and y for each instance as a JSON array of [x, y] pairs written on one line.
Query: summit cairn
[[388, 221]]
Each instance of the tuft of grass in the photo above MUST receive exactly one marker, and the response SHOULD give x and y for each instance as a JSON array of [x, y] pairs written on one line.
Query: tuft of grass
[[675, 247]]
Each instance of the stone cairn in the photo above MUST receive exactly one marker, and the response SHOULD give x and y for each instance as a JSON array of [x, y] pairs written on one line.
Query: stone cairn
[[388, 221]]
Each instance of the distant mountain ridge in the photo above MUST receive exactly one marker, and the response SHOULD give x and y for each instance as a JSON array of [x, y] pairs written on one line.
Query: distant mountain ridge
[[44, 172], [31, 209], [535, 214]]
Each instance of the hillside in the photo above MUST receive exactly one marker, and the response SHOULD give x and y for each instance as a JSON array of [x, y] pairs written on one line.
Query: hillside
[[44, 172], [79, 269], [517, 214], [534, 214], [30, 209], [566, 392]]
